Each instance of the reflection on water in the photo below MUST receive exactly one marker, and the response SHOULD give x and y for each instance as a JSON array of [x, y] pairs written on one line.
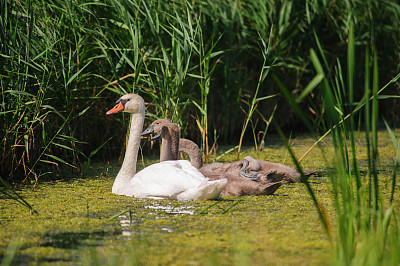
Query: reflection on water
[[176, 210], [129, 221]]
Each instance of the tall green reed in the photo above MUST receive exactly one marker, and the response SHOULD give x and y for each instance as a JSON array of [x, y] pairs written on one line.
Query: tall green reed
[[176, 71], [254, 102], [365, 217], [67, 58], [43, 61], [206, 69]]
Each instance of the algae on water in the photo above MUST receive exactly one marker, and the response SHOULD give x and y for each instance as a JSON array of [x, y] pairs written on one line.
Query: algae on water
[[73, 226]]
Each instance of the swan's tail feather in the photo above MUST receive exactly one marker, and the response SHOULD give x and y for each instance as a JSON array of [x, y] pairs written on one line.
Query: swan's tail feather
[[271, 188], [205, 191]]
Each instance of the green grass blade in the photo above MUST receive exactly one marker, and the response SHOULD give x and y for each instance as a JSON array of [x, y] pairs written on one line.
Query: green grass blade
[[397, 161], [319, 206]]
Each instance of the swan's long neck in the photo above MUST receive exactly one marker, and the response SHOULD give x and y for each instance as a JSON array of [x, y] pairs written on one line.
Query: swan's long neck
[[128, 168], [169, 144], [191, 149], [168, 151]]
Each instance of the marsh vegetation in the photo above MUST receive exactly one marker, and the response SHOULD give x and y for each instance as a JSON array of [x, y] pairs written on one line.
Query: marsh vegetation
[[228, 73], [80, 221]]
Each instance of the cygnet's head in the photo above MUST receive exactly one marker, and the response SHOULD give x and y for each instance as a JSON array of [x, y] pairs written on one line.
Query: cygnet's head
[[129, 103], [161, 128], [161, 121]]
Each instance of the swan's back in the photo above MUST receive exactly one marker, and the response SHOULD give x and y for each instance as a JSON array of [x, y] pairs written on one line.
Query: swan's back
[[174, 180]]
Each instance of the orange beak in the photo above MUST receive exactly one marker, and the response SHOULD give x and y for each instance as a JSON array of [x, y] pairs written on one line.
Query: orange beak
[[118, 108]]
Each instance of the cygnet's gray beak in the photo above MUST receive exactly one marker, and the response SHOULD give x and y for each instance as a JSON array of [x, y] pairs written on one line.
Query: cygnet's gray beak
[[148, 131], [156, 136]]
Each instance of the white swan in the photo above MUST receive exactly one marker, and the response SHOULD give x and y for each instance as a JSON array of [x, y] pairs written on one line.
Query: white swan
[[169, 179]]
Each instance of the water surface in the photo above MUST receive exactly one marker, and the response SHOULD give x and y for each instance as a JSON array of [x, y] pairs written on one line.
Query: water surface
[[81, 222]]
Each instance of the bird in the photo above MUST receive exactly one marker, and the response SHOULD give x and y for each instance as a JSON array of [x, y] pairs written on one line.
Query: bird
[[260, 170], [177, 180], [237, 173]]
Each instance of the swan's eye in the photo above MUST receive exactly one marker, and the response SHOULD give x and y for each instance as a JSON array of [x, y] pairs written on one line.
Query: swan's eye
[[123, 101]]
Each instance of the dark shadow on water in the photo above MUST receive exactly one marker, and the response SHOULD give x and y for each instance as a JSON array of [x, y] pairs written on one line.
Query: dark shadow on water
[[74, 240], [70, 241], [28, 260]]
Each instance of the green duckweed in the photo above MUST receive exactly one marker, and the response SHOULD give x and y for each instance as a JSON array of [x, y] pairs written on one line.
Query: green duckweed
[[73, 224]]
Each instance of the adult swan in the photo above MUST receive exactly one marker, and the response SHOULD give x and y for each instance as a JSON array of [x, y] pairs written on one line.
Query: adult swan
[[165, 180]]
